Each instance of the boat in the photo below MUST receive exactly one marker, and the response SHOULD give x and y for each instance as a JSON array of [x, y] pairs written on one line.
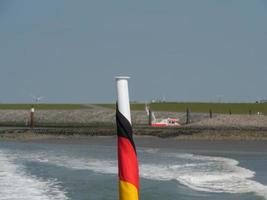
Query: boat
[[164, 122], [172, 122]]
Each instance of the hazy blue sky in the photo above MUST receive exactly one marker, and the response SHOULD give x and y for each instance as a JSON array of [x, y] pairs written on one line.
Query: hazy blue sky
[[190, 50]]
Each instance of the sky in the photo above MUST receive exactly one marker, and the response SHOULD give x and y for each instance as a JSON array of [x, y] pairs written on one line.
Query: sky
[[178, 50]]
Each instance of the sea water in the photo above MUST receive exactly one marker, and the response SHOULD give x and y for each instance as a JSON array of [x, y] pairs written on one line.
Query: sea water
[[42, 171]]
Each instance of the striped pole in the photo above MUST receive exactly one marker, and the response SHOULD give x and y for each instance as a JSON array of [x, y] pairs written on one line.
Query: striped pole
[[127, 158]]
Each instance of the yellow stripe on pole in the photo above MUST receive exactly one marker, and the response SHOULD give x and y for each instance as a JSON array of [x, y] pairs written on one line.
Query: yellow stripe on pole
[[128, 191]]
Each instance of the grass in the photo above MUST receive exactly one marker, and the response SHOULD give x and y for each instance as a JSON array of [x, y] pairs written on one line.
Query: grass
[[223, 108], [226, 108], [234, 108], [134, 106], [43, 106]]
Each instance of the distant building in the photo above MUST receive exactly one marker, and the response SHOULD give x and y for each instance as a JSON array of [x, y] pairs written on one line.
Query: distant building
[[262, 101]]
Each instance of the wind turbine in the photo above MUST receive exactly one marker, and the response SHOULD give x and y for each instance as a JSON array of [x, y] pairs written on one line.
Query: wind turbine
[[37, 99]]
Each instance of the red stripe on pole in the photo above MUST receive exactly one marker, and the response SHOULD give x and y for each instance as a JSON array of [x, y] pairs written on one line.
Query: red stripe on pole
[[128, 164]]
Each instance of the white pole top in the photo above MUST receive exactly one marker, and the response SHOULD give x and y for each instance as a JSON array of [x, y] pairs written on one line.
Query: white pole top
[[122, 77], [32, 109], [123, 96]]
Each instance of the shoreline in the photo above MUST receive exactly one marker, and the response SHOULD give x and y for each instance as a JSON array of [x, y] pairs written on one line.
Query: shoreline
[[184, 133], [99, 121]]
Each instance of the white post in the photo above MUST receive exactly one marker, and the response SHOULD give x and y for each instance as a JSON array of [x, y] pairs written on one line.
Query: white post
[[32, 117], [123, 96]]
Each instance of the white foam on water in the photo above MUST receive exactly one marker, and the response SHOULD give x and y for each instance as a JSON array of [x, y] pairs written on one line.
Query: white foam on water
[[201, 173], [208, 174], [148, 150], [15, 184]]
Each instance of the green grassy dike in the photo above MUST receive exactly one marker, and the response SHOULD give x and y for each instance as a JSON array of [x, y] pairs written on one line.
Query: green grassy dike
[[18, 130], [220, 108], [42, 106]]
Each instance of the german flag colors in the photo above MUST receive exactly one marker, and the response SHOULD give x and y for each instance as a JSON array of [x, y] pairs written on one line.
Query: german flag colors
[[127, 158]]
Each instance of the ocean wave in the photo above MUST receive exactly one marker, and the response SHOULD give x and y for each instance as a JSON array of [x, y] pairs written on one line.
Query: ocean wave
[[201, 173], [15, 184]]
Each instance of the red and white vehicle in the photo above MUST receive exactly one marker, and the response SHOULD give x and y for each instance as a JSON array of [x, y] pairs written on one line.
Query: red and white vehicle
[[166, 122]]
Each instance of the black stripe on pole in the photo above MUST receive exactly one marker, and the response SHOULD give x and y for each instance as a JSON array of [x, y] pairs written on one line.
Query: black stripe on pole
[[124, 128]]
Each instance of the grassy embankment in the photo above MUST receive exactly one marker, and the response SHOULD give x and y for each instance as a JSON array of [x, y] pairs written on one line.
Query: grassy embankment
[[42, 106], [109, 129], [220, 108]]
